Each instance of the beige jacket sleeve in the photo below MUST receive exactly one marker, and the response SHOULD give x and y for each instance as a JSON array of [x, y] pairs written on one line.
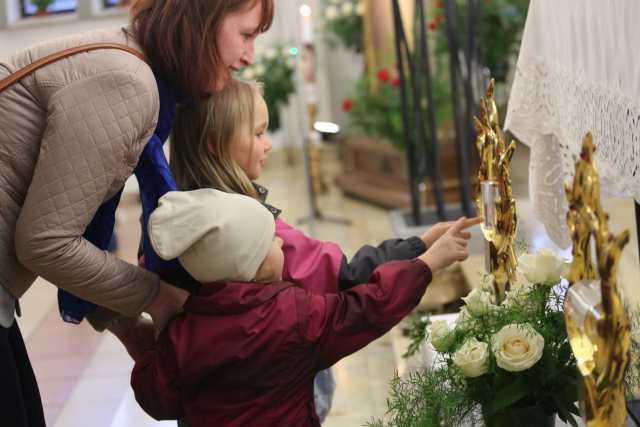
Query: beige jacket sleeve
[[96, 129]]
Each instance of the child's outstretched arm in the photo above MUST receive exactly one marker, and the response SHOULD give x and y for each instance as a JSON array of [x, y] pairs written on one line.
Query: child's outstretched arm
[[321, 267], [152, 381], [368, 257], [340, 324]]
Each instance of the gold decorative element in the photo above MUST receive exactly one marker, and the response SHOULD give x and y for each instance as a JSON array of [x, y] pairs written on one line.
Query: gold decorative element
[[494, 198], [597, 324], [313, 154]]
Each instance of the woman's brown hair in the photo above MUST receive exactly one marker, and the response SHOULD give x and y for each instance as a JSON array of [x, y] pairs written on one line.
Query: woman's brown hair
[[179, 38], [203, 137]]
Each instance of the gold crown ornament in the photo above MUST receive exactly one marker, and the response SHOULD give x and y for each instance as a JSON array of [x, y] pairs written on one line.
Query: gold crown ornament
[[494, 198], [597, 324]]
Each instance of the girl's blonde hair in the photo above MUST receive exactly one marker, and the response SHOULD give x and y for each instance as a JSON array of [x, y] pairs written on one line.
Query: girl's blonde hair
[[203, 137]]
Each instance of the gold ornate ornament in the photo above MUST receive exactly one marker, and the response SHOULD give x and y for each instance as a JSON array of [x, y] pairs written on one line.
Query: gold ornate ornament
[[597, 324], [313, 154], [494, 200]]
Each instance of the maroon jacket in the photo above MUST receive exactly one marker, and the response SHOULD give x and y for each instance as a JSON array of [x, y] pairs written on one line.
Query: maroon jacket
[[246, 353]]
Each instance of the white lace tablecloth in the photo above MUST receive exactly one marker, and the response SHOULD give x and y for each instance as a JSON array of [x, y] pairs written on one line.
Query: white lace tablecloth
[[578, 71]]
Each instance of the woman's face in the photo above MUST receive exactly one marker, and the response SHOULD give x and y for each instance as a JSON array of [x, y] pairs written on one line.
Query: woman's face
[[250, 153], [236, 38]]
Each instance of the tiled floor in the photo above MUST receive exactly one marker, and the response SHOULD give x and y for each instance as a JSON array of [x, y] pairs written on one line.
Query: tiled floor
[[84, 376]]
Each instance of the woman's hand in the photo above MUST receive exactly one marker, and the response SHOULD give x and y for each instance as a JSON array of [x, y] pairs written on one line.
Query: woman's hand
[[451, 246], [166, 305], [137, 335], [436, 231]]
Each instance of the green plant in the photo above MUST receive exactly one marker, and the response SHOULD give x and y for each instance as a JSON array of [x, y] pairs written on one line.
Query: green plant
[[377, 112], [342, 21], [417, 332], [473, 378], [275, 70], [497, 32], [42, 4]]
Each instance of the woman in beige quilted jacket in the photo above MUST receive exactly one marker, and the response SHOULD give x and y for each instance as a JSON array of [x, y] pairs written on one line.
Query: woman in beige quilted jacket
[[71, 134]]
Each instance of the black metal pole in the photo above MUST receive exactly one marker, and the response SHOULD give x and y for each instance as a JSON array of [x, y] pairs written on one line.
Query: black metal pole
[[461, 129], [400, 39], [433, 160], [472, 72]]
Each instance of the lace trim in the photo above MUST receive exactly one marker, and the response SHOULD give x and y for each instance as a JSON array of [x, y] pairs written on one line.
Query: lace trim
[[550, 110]]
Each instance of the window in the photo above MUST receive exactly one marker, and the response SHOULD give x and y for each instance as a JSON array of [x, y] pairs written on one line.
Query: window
[[56, 6], [115, 3]]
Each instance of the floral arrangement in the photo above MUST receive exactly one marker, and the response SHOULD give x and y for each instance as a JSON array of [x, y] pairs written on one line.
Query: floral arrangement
[[275, 69], [378, 113], [343, 22], [498, 359]]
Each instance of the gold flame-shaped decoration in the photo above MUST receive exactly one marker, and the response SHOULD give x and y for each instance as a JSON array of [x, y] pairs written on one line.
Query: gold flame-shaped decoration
[[597, 324], [494, 198]]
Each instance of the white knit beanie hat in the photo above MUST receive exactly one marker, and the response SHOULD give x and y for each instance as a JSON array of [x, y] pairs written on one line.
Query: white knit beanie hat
[[216, 236]]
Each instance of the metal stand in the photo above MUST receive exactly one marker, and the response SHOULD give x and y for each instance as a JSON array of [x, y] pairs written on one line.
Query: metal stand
[[462, 114], [421, 146], [313, 178]]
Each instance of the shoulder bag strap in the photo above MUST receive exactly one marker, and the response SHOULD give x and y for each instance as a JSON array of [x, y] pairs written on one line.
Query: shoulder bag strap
[[25, 71]]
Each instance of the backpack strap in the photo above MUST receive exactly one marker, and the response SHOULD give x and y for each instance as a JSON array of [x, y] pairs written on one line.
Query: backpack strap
[[25, 71]]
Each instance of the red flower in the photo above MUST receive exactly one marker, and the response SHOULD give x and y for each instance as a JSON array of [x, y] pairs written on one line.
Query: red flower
[[383, 75], [440, 5], [439, 19], [396, 82], [433, 25], [347, 105]]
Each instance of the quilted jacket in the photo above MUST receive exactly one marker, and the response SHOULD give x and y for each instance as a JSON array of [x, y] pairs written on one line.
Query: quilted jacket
[[70, 136]]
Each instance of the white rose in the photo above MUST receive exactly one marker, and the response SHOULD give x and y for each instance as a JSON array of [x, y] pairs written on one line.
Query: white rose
[[360, 8], [472, 358], [331, 12], [478, 302], [441, 336], [259, 69], [347, 8], [464, 320], [517, 347], [543, 267]]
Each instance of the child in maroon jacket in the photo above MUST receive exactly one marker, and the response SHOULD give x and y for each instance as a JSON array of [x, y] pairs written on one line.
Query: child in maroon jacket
[[248, 345]]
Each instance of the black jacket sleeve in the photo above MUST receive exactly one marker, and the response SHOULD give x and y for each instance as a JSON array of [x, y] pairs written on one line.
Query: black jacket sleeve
[[365, 261]]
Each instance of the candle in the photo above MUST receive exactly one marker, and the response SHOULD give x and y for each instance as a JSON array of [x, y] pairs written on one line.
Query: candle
[[306, 24]]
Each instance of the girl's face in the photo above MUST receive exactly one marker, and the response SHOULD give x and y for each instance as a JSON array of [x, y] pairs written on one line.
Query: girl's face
[[250, 153], [236, 37]]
